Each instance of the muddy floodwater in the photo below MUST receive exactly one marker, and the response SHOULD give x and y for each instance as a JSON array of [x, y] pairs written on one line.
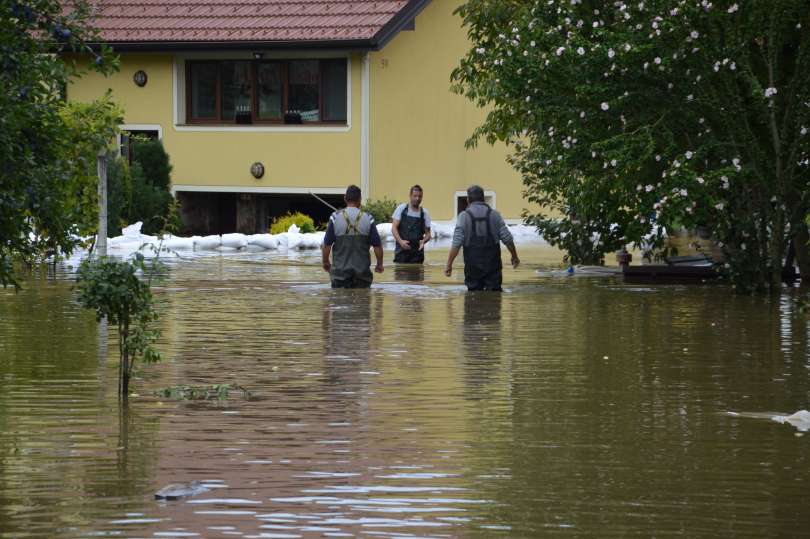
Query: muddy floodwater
[[568, 406]]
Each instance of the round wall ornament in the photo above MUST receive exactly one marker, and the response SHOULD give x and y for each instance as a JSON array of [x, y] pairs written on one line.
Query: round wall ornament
[[257, 169], [140, 78]]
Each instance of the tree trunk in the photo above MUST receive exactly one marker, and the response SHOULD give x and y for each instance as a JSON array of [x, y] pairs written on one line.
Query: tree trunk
[[800, 240], [125, 359], [777, 250]]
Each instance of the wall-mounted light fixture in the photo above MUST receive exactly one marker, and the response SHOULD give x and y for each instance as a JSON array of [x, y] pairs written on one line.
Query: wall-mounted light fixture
[[140, 78], [257, 169]]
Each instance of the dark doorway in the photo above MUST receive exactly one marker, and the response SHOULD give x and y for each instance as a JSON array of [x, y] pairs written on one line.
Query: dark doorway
[[249, 213]]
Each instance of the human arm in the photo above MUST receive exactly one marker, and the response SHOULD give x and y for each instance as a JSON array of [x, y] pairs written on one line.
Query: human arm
[[326, 248], [426, 237], [376, 244], [378, 254], [451, 257], [513, 252], [506, 237], [395, 231]]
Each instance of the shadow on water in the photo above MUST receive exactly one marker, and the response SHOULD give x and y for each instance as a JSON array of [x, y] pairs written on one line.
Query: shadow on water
[[580, 406]]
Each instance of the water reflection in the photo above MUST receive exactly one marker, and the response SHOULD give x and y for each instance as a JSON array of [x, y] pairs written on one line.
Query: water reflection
[[578, 405]]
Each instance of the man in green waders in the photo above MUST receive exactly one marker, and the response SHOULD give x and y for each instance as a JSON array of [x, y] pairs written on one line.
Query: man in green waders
[[480, 229], [410, 226], [349, 235]]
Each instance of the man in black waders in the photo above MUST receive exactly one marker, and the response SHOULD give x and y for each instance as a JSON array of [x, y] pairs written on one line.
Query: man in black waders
[[410, 226], [349, 235], [480, 229]]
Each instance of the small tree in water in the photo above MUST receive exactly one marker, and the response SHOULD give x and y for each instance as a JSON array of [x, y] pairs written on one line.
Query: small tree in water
[[114, 290]]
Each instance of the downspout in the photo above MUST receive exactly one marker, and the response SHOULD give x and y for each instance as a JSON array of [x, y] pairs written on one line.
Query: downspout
[[365, 99]]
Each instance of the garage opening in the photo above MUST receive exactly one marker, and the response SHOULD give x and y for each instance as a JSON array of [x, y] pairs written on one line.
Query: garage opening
[[204, 213]]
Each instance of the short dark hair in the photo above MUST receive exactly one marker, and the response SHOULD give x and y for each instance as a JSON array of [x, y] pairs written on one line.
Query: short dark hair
[[475, 193], [353, 194], [416, 187]]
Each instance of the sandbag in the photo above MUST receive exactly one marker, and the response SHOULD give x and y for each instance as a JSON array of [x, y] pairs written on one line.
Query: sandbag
[[234, 241], [207, 243], [265, 241]]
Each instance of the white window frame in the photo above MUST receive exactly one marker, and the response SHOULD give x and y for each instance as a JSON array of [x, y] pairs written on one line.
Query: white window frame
[[489, 198]]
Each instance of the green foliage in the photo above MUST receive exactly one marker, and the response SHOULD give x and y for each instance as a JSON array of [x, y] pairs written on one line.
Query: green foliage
[[42, 179], [636, 117], [115, 291], [154, 161], [119, 194], [381, 209], [151, 201], [282, 224], [215, 391]]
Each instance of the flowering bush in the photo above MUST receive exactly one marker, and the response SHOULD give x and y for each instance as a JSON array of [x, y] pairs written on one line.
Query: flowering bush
[[646, 115], [282, 224]]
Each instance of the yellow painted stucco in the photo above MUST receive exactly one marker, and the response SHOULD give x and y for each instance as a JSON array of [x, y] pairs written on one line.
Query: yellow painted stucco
[[417, 127]]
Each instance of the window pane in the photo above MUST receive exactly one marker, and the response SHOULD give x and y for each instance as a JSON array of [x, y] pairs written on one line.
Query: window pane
[[270, 91], [334, 89], [203, 90], [304, 89], [235, 90]]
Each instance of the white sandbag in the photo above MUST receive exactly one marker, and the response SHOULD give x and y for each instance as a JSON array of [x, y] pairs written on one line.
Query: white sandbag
[[442, 230], [207, 243], [235, 241], [312, 240], [294, 229], [176, 243], [264, 241], [384, 230], [294, 239], [133, 230]]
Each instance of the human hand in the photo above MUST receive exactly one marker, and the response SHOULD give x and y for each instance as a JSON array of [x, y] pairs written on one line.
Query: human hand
[[379, 267], [448, 271], [405, 245], [327, 266], [515, 262]]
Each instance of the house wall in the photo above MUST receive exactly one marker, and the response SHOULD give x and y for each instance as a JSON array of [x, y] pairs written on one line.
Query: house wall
[[418, 126], [219, 158]]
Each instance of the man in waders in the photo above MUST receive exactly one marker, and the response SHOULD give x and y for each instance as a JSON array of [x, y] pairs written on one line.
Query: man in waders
[[410, 226], [480, 229], [349, 235]]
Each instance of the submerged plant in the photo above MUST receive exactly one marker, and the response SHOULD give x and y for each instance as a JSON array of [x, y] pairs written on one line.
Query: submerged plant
[[215, 391], [115, 291]]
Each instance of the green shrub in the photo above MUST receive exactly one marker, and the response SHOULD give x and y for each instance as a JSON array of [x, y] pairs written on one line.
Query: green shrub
[[381, 209], [119, 194], [150, 204], [283, 223], [154, 160]]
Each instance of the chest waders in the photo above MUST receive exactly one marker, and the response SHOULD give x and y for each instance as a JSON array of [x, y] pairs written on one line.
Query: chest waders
[[482, 257], [350, 256], [411, 229]]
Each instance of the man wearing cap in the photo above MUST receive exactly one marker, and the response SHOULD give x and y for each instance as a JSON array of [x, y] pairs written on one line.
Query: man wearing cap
[[479, 230], [410, 226], [349, 235]]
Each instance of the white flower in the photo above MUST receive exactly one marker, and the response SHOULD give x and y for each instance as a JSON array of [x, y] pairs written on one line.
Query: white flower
[[689, 155], [803, 131], [604, 106], [657, 60], [770, 92], [648, 188], [560, 50], [700, 180], [684, 192], [690, 97], [532, 43], [695, 34], [525, 53], [582, 114], [480, 50], [657, 157], [528, 98], [719, 206], [733, 8], [627, 47], [613, 162], [580, 51], [611, 53]]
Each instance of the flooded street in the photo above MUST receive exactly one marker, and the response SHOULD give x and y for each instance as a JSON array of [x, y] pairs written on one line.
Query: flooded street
[[566, 405]]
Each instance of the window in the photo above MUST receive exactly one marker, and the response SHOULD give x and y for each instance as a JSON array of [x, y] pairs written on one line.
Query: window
[[266, 91], [461, 200], [128, 136]]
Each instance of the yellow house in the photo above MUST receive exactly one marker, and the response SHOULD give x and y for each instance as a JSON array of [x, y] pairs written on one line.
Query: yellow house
[[260, 103]]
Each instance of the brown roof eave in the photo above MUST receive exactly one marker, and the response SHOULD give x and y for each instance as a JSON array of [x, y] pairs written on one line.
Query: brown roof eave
[[398, 22], [359, 45]]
